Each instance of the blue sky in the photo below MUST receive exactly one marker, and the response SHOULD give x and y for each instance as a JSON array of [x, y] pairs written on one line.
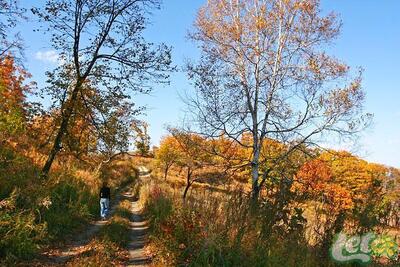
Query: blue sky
[[370, 38]]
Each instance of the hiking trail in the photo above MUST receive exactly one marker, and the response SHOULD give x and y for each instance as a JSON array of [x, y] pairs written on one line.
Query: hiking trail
[[139, 228], [138, 232]]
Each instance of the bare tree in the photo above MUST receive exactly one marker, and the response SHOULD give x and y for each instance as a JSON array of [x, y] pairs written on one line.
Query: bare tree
[[100, 43], [263, 72], [10, 14]]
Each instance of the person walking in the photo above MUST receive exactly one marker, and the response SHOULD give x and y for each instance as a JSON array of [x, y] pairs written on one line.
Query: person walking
[[105, 195]]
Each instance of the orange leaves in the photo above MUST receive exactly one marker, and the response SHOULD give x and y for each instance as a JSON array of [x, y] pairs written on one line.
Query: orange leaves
[[338, 197], [12, 90], [340, 180], [183, 149], [324, 67], [313, 175], [252, 29], [218, 21], [12, 95], [345, 101], [313, 65], [315, 179], [351, 172]]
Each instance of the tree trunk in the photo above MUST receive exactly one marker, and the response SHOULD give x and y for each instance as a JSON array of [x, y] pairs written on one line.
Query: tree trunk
[[166, 172], [188, 183], [66, 115], [255, 173]]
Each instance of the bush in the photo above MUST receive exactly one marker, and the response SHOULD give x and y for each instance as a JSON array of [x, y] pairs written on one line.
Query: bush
[[72, 204], [20, 232], [16, 171]]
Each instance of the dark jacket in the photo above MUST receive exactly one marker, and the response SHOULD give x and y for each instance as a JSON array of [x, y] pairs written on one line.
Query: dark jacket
[[105, 192]]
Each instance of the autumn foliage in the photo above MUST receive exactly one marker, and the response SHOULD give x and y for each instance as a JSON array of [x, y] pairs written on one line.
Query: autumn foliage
[[13, 90], [244, 181], [310, 197]]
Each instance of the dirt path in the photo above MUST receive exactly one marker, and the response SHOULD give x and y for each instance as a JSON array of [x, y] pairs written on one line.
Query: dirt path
[[75, 246], [138, 233], [139, 226]]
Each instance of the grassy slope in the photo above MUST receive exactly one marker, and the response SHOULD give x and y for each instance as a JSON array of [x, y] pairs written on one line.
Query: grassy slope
[[217, 229], [35, 213]]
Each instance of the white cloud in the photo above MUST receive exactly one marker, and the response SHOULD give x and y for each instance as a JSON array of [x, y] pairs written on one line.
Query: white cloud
[[50, 56]]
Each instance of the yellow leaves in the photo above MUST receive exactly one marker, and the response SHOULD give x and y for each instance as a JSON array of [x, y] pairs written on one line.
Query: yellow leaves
[[324, 67], [169, 152], [261, 23], [313, 65]]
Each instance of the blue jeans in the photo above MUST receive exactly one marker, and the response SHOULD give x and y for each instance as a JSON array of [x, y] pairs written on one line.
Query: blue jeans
[[104, 207]]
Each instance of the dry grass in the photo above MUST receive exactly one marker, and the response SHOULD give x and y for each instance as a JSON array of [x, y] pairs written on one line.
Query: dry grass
[[109, 247], [52, 209], [215, 227]]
